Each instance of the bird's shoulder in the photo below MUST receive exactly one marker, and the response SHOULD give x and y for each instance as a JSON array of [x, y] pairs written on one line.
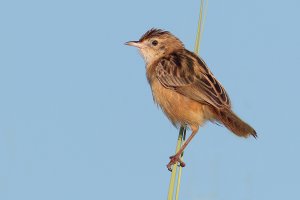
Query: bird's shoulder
[[183, 62], [183, 66]]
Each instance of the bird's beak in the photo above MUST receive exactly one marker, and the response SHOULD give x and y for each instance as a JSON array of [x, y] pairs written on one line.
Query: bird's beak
[[134, 44]]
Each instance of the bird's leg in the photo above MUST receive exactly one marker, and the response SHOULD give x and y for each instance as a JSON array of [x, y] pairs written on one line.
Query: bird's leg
[[176, 158]]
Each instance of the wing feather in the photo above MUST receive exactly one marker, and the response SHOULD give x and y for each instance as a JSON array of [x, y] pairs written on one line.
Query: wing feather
[[188, 74]]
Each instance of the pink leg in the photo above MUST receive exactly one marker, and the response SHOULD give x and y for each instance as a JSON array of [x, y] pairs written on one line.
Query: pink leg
[[176, 158]]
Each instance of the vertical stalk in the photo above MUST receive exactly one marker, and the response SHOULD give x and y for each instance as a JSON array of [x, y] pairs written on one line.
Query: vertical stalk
[[174, 170], [180, 168], [198, 36]]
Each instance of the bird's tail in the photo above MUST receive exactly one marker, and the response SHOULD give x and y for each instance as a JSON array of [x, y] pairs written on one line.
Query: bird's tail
[[234, 123]]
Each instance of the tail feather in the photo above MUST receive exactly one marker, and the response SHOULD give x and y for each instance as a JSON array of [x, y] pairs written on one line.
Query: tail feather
[[234, 123]]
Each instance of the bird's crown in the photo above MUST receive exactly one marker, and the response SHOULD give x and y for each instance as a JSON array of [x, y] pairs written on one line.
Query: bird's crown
[[154, 32]]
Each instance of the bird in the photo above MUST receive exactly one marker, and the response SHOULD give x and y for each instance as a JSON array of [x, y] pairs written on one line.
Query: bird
[[184, 88]]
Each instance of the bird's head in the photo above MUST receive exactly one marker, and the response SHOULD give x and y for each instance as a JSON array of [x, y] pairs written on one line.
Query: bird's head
[[156, 43]]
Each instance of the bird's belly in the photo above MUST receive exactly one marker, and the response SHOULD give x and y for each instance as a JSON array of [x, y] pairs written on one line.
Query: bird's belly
[[179, 109]]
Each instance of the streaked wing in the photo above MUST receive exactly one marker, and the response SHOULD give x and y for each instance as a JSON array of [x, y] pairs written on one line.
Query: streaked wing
[[188, 74]]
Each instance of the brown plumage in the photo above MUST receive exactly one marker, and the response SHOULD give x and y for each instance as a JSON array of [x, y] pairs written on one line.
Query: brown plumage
[[184, 87]]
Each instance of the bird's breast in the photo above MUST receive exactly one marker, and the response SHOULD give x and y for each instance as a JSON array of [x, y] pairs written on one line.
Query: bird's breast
[[179, 109]]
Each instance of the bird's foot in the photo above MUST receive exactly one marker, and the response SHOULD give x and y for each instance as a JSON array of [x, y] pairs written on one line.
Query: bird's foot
[[173, 160]]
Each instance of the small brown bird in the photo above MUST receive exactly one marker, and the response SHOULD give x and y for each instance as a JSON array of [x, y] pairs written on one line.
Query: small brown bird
[[184, 87]]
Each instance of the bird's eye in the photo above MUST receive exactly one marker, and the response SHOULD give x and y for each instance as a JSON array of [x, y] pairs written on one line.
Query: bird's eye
[[154, 42]]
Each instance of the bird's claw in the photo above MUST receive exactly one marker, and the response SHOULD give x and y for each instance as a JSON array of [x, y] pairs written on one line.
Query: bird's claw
[[173, 160]]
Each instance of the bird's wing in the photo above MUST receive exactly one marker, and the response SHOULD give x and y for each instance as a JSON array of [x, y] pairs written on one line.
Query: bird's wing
[[188, 74]]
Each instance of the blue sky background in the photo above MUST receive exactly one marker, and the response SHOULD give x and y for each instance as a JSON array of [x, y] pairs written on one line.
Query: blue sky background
[[77, 119]]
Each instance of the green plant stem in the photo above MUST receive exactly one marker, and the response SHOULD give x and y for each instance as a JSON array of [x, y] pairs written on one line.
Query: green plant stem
[[174, 170], [180, 168], [198, 36]]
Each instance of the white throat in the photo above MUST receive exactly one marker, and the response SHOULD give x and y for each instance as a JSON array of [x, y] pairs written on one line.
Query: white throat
[[148, 57]]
